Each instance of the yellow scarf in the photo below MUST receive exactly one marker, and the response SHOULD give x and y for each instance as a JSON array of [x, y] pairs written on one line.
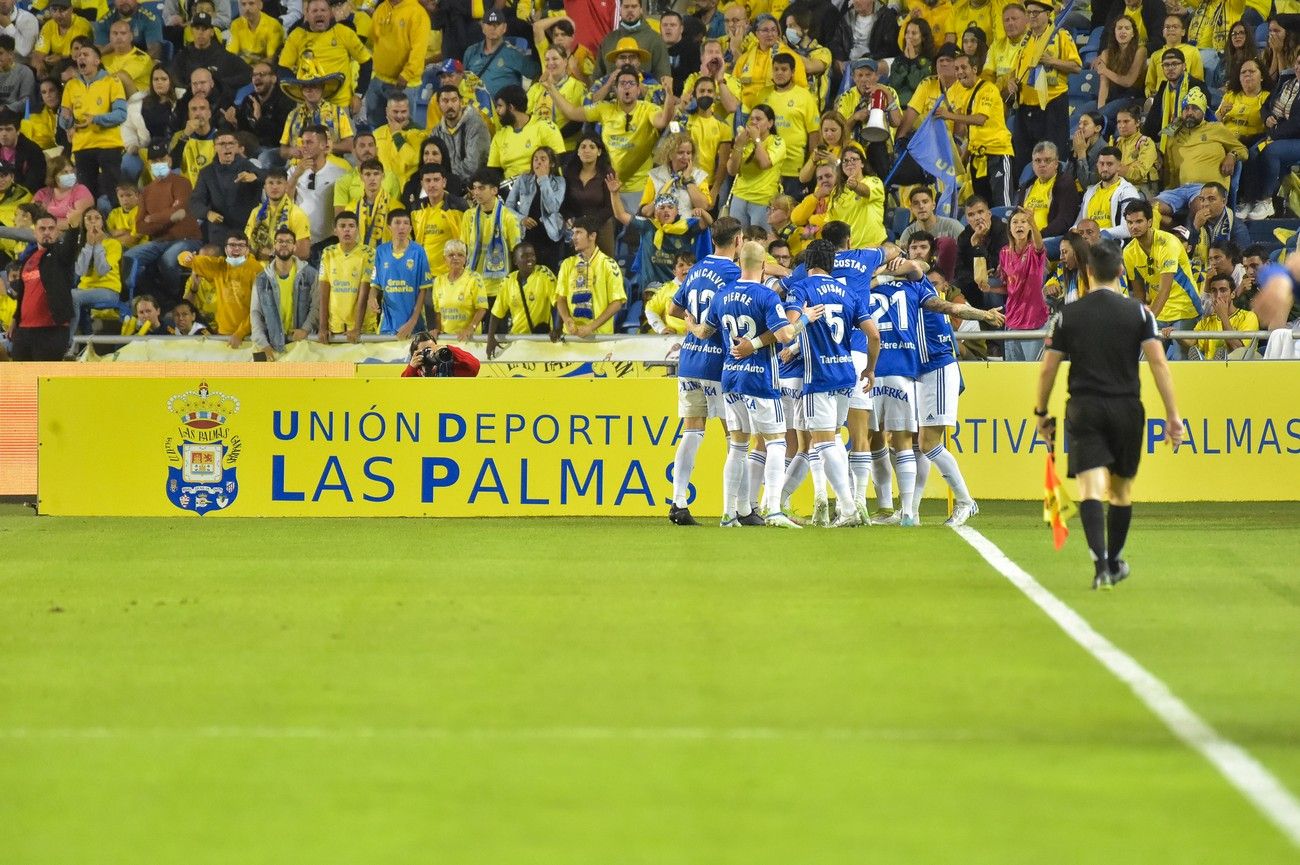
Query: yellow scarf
[[678, 227]]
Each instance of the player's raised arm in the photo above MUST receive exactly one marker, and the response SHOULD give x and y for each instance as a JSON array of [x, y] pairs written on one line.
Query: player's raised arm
[[965, 311]]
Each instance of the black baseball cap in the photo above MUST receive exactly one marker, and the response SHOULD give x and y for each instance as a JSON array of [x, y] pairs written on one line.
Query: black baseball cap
[[8, 168], [494, 16], [202, 19], [158, 149]]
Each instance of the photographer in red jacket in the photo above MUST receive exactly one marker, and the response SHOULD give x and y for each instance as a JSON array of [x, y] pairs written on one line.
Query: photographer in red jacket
[[430, 360]]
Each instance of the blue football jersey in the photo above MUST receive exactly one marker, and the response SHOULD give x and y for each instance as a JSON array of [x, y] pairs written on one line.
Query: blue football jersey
[[896, 306], [400, 278], [937, 344], [824, 344], [702, 358], [747, 310], [856, 267]]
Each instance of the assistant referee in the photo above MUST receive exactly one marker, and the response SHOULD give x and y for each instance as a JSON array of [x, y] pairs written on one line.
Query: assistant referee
[[1103, 334]]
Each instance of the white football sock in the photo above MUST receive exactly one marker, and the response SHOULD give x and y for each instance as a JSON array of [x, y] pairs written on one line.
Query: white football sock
[[837, 472], [684, 465], [732, 471], [905, 466], [860, 469], [922, 475], [743, 505], [817, 468], [795, 472], [881, 476], [757, 465], [773, 474], [947, 463]]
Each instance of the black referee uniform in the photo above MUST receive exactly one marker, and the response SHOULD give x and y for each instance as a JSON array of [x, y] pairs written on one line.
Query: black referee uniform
[[1103, 334]]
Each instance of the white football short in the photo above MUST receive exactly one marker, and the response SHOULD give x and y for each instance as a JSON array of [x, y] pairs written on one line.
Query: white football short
[[895, 404], [936, 396], [826, 412], [752, 414], [792, 403], [860, 398], [697, 397]]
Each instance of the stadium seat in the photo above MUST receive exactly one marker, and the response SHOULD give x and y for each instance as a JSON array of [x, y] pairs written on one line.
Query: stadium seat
[[1089, 50], [901, 217], [1003, 212], [1083, 86]]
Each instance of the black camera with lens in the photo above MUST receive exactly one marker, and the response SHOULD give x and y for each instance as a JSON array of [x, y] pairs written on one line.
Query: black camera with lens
[[436, 362]]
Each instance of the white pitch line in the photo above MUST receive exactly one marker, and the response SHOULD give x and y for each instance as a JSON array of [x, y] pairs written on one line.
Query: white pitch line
[[1241, 770]]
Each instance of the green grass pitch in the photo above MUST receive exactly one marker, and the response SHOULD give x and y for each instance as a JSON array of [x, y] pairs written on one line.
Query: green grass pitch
[[618, 692]]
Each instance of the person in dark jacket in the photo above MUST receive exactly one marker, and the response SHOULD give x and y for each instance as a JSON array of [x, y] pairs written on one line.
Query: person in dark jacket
[[978, 250], [263, 112], [20, 151], [39, 330], [273, 326], [226, 191], [230, 71]]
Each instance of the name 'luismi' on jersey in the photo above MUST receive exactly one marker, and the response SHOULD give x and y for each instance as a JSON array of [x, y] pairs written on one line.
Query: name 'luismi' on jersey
[[702, 358], [824, 345]]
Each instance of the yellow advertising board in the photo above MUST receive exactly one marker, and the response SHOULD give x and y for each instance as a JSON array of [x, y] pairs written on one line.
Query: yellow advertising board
[[530, 447]]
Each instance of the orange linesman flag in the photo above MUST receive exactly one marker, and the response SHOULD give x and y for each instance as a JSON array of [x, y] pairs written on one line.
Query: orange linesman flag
[[1057, 506]]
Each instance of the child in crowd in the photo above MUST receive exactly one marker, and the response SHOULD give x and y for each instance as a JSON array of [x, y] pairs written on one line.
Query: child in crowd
[[659, 301], [185, 320], [121, 219], [146, 318], [202, 292]]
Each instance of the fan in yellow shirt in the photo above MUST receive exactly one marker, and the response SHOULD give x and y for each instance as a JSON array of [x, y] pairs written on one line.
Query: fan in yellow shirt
[[434, 220], [1221, 315], [373, 205], [343, 268], [459, 296], [978, 111], [323, 47], [589, 289], [859, 199], [798, 117], [753, 66], [526, 299], [123, 59], [275, 210], [54, 41], [629, 126], [520, 134], [756, 162], [1158, 270], [121, 219], [659, 302], [939, 14], [233, 277], [254, 36], [97, 103]]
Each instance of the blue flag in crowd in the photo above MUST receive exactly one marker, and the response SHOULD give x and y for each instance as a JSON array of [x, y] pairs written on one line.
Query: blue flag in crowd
[[932, 148]]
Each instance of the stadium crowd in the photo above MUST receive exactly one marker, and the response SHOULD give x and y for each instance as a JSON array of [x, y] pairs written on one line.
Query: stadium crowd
[[279, 171]]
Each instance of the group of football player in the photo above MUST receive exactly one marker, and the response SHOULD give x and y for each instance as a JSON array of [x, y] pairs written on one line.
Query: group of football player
[[851, 338]]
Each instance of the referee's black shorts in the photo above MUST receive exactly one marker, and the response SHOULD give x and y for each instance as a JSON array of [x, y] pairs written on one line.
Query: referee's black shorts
[[1104, 432]]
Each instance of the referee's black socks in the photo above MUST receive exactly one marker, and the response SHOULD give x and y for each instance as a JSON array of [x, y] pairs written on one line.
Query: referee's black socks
[[1094, 529], [1117, 520]]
